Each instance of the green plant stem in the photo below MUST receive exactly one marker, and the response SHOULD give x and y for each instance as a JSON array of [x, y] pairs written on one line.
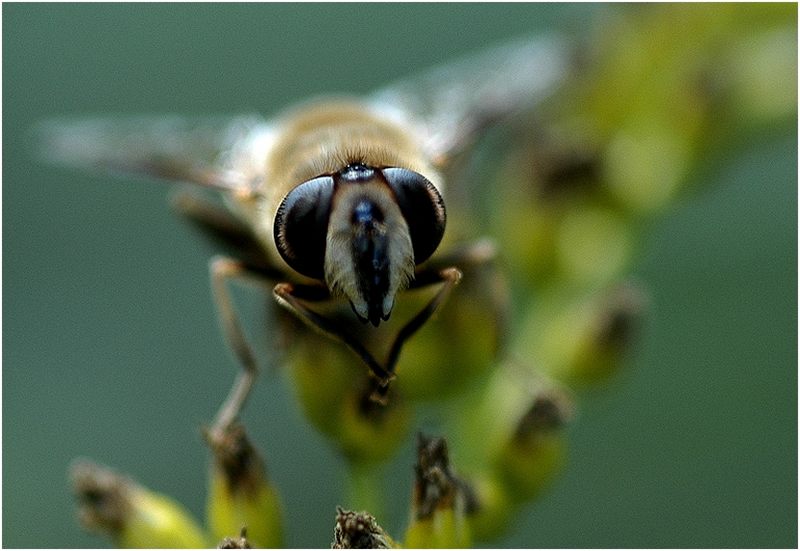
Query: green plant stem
[[364, 490]]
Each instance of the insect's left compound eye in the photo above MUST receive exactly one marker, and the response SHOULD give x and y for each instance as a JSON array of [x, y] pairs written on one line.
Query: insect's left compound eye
[[422, 207], [301, 226]]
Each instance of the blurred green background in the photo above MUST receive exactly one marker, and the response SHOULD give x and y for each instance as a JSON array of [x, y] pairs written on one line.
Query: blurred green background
[[111, 348]]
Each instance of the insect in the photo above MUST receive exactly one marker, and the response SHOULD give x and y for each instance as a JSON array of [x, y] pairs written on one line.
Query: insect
[[336, 199]]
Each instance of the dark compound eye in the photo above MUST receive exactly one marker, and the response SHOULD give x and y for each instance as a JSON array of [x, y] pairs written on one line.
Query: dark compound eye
[[301, 226], [422, 207]]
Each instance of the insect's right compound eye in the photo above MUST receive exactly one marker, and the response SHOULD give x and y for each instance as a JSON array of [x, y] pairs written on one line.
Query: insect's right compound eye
[[301, 226]]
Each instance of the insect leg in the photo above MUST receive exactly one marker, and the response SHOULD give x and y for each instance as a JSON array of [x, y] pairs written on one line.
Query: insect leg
[[223, 269], [289, 297], [450, 277], [478, 253]]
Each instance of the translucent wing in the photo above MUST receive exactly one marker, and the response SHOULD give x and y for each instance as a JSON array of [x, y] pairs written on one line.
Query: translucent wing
[[220, 152], [452, 103]]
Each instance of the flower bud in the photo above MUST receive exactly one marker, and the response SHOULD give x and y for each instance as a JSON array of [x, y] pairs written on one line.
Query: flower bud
[[536, 451], [510, 442], [594, 244], [240, 495], [440, 500], [493, 509], [368, 431], [581, 340], [132, 515], [336, 393]]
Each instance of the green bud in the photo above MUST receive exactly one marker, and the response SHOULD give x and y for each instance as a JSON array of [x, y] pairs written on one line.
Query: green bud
[[493, 510], [581, 339], [440, 500], [132, 515], [240, 496], [763, 75], [593, 244], [336, 391], [368, 431], [536, 451], [518, 202], [646, 164], [511, 443]]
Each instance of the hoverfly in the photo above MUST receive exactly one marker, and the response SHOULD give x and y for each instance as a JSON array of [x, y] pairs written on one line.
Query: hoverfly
[[337, 199]]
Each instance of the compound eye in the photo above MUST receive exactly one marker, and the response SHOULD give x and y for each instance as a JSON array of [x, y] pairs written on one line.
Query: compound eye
[[422, 207], [301, 226]]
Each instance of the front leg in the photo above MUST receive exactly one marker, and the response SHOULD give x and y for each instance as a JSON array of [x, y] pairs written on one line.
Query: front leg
[[450, 278], [222, 270], [292, 297], [438, 270], [289, 296]]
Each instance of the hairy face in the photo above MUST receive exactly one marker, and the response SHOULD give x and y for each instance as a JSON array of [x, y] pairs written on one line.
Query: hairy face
[[362, 230], [369, 257]]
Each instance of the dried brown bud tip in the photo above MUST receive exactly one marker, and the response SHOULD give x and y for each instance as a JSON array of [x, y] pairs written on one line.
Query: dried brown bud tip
[[103, 495], [358, 531], [550, 411], [620, 314], [236, 543], [235, 456], [436, 486]]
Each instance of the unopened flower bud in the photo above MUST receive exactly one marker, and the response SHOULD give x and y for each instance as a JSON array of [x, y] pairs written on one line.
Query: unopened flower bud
[[581, 340], [338, 397], [535, 453], [440, 500], [240, 495], [132, 515], [493, 509]]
